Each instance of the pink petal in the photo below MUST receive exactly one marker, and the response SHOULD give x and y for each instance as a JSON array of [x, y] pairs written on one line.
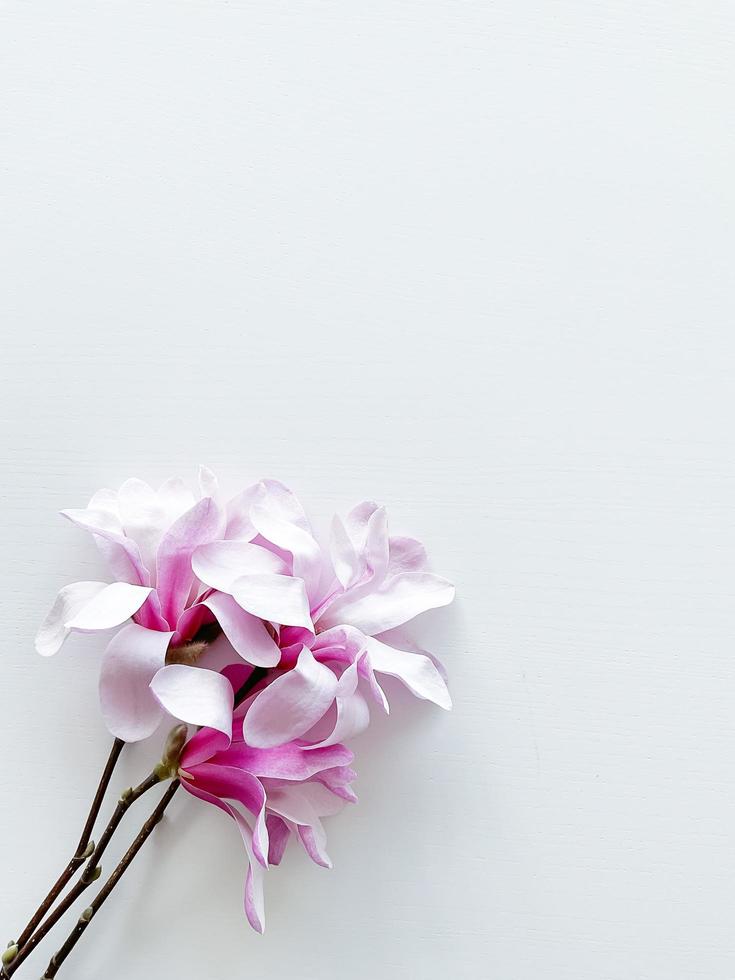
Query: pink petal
[[208, 484], [195, 695], [176, 498], [239, 525], [397, 601], [204, 744], [416, 671], [295, 804], [282, 503], [289, 761], [345, 560], [143, 517], [246, 633], [230, 783], [291, 704], [110, 607], [278, 598], [174, 575], [254, 903], [279, 834], [221, 563], [353, 714], [122, 554], [406, 555], [67, 604], [130, 662], [293, 539]]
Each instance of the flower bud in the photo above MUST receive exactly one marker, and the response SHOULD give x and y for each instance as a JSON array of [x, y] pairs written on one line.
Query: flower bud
[[9, 954], [174, 744], [86, 914], [126, 794], [96, 873], [88, 850]]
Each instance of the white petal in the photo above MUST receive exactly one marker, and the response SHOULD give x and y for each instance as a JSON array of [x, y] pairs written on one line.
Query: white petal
[[291, 538], [110, 607], [345, 560], [291, 704], [130, 662], [195, 695], [143, 518], [353, 714], [246, 632], [208, 484], [278, 598], [416, 671], [220, 563], [67, 604], [397, 601]]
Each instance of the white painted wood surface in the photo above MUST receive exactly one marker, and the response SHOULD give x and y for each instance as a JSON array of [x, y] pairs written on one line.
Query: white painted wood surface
[[472, 260]]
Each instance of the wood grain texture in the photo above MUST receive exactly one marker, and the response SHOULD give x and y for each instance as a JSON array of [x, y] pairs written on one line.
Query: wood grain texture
[[472, 260]]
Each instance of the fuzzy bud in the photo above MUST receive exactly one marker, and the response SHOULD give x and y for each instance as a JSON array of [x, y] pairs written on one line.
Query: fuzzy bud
[[88, 850], [86, 914], [126, 794], [174, 744], [96, 873]]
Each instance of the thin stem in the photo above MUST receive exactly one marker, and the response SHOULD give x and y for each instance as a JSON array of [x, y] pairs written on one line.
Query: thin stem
[[88, 875], [79, 855], [88, 914]]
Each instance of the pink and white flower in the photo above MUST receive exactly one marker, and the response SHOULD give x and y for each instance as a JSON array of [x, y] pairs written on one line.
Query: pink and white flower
[[271, 794], [322, 621]]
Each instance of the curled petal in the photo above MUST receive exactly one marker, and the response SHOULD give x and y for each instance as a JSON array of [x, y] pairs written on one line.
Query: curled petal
[[195, 695], [279, 834], [230, 783], [302, 805], [353, 714], [293, 539], [221, 563], [254, 901], [122, 553], [278, 598], [69, 601], [110, 607], [406, 555], [397, 601], [131, 660], [291, 704], [247, 634], [417, 672]]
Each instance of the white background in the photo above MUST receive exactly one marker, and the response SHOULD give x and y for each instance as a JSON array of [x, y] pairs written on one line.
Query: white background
[[472, 260]]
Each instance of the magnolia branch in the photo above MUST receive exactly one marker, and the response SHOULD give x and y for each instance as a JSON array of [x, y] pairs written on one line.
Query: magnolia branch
[[82, 851]]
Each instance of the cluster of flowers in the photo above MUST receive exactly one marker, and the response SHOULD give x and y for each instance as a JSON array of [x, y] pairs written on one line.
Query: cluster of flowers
[[219, 597]]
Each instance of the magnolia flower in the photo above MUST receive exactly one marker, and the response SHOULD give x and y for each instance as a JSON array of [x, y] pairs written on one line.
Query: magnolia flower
[[322, 621], [338, 624], [148, 538], [271, 794]]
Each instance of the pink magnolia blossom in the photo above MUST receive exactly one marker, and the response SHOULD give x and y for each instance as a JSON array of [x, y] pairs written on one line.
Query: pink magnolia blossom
[[270, 793], [358, 593], [322, 621], [148, 538]]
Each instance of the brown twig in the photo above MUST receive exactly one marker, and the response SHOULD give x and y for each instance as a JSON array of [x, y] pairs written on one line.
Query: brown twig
[[90, 873], [81, 853], [88, 914]]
